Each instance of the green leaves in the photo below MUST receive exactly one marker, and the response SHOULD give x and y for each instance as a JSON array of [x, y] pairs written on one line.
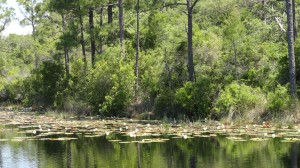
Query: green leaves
[[240, 99], [120, 95], [279, 100], [6, 15]]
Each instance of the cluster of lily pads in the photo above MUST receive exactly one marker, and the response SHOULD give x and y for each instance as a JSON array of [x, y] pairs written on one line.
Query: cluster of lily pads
[[41, 127]]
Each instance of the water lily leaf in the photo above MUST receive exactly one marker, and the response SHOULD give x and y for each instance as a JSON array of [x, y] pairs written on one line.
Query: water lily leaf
[[240, 140], [92, 136], [259, 139], [62, 139], [114, 140], [235, 138], [3, 140], [17, 140], [176, 137], [124, 142]]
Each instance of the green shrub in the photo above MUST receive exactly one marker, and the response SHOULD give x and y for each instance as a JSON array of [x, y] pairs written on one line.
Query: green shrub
[[120, 95], [195, 99], [45, 85], [150, 75], [12, 92], [164, 105], [279, 100], [240, 99], [99, 84]]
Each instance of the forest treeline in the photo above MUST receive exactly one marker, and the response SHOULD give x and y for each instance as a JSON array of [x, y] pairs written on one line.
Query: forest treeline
[[191, 59]]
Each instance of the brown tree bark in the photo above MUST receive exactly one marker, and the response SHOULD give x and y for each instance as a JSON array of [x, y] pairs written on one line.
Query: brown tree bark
[[100, 37], [191, 69], [66, 52], [110, 21], [294, 20], [121, 25], [82, 39], [137, 45], [264, 18], [291, 53], [110, 13], [92, 36]]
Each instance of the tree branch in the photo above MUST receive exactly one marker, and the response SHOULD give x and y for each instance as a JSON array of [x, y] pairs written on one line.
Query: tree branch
[[173, 4], [3, 27], [26, 17], [278, 20], [194, 4]]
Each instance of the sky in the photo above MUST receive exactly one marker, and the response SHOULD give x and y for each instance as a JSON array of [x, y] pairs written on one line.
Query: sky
[[14, 27]]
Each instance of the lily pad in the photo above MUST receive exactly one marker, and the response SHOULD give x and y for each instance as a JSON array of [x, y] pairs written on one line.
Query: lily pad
[[259, 139], [124, 142], [114, 140]]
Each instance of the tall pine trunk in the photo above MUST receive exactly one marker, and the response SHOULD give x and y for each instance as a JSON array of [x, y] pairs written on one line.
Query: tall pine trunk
[[137, 45], [110, 21], [294, 21], [82, 39], [66, 52], [121, 25], [290, 34], [92, 36], [110, 13], [191, 69], [100, 37], [264, 18]]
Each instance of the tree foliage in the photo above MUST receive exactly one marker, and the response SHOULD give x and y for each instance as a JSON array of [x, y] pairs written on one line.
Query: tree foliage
[[238, 50]]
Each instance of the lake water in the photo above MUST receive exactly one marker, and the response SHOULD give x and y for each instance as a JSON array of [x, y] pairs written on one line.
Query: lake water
[[93, 152]]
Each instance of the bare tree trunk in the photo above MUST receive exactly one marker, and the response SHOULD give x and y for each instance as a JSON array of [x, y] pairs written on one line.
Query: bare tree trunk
[[66, 53], [235, 60], [82, 39], [92, 36], [264, 18], [33, 29], [191, 69], [290, 33], [101, 24], [121, 24], [137, 45], [168, 69], [294, 21], [32, 20], [110, 13], [110, 21]]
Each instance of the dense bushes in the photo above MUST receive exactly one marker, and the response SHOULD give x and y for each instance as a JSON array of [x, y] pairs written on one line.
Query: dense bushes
[[240, 99], [120, 95], [193, 100], [240, 63], [45, 86], [101, 89], [279, 100]]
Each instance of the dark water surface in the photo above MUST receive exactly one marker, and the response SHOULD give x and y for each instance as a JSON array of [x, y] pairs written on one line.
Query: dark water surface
[[94, 152]]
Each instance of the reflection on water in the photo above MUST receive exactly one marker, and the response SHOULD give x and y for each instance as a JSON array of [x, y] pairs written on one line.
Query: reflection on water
[[212, 152], [294, 155]]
